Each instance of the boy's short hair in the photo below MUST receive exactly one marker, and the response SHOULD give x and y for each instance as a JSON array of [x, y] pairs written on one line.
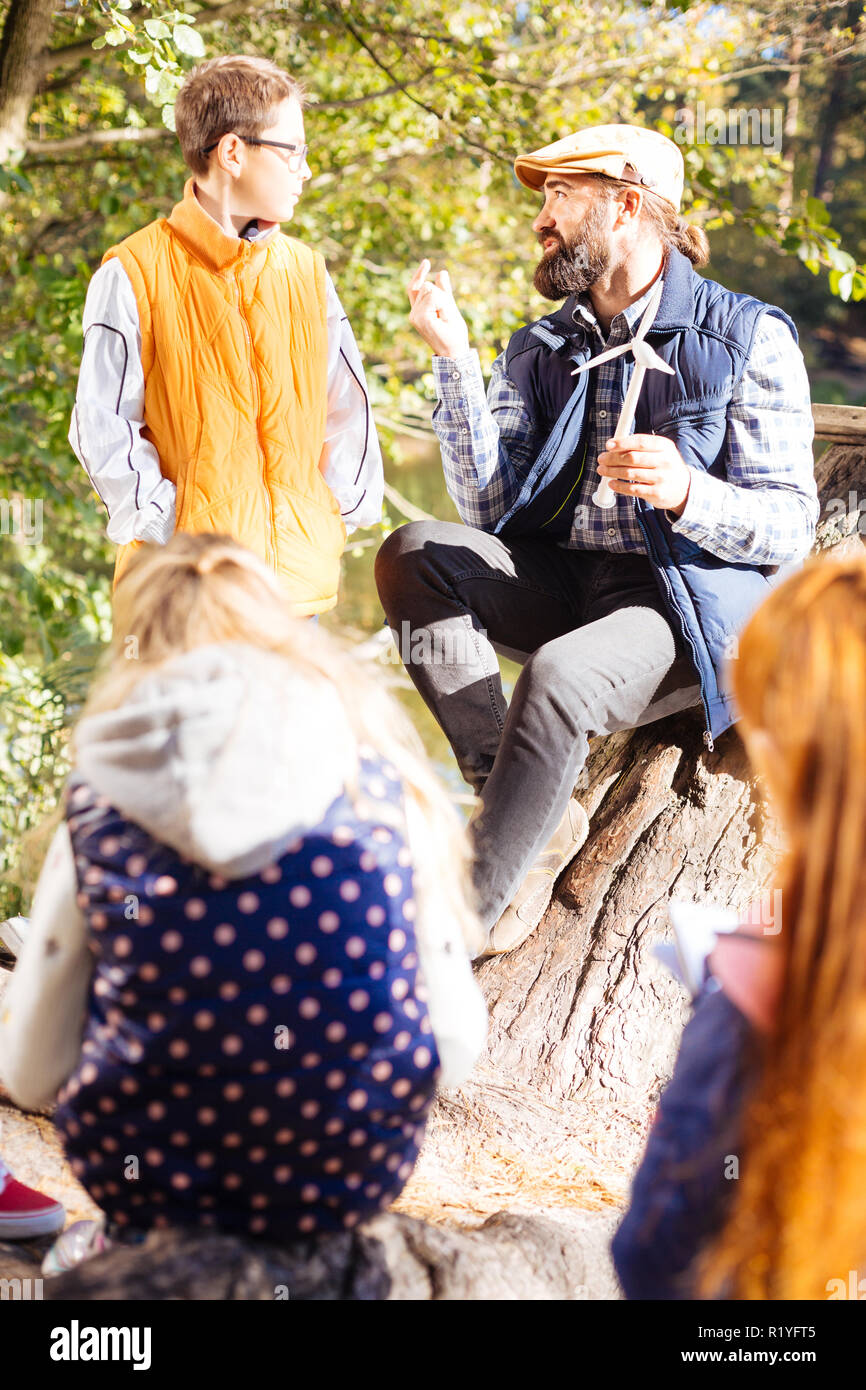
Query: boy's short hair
[[233, 93]]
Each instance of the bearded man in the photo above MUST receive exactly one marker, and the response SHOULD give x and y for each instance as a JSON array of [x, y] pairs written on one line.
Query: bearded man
[[623, 615]]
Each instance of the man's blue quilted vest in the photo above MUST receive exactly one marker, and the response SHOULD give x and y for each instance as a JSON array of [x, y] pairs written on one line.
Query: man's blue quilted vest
[[705, 332]]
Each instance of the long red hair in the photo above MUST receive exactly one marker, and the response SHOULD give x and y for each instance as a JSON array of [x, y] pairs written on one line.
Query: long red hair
[[799, 1213]]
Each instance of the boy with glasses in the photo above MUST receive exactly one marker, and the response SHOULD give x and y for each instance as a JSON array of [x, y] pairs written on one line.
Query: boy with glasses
[[221, 388]]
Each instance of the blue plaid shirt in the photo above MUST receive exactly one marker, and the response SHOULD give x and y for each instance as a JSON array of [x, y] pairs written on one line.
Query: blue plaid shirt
[[763, 513]]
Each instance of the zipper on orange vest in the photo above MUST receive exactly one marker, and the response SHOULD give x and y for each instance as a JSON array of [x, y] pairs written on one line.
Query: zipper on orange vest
[[255, 380]]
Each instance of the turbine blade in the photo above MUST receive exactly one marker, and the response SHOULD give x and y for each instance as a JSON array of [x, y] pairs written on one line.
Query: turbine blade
[[602, 357], [645, 355], [649, 312]]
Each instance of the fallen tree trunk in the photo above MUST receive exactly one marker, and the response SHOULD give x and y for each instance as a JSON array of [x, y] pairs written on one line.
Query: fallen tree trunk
[[392, 1257], [527, 1253], [580, 1010], [582, 1017]]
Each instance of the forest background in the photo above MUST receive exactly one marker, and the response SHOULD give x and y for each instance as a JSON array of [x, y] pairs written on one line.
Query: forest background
[[416, 111]]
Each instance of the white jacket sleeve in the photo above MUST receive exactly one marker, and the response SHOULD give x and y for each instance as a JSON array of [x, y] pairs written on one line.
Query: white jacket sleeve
[[352, 460], [42, 1010], [455, 1004], [108, 416]]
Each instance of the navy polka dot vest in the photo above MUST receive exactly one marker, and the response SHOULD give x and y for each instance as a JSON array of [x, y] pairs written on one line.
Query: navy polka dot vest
[[256, 1056]]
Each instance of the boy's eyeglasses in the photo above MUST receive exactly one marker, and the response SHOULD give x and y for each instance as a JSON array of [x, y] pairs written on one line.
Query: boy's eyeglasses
[[295, 160]]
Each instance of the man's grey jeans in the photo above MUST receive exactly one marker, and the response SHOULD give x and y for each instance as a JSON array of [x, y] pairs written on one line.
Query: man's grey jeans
[[598, 653]]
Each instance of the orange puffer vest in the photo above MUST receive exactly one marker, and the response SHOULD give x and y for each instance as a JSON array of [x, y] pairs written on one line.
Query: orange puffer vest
[[234, 350]]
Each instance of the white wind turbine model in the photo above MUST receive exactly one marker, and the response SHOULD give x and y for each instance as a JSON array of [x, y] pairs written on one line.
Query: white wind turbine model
[[645, 360]]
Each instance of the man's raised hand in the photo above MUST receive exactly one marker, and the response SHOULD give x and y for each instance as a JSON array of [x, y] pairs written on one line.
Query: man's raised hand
[[434, 313]]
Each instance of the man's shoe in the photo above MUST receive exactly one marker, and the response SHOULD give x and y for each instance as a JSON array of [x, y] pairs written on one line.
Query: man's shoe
[[530, 903], [25, 1213]]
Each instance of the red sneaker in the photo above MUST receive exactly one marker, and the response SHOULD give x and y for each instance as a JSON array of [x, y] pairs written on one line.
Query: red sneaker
[[25, 1213]]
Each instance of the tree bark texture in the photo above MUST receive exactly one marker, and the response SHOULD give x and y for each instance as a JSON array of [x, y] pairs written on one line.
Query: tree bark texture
[[26, 33], [581, 1011]]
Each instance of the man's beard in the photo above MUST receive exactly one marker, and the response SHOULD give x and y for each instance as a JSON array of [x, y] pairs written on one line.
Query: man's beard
[[576, 264]]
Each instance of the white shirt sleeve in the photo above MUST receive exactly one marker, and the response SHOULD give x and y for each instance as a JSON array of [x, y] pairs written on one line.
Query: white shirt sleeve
[[43, 1008], [352, 466], [108, 416]]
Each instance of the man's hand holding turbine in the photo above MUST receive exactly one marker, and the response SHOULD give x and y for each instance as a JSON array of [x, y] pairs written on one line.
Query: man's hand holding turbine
[[640, 465]]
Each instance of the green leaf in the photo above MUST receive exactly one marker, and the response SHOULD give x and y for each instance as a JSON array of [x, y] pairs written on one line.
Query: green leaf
[[157, 29], [188, 41], [166, 88], [114, 36], [11, 179], [840, 260], [816, 211]]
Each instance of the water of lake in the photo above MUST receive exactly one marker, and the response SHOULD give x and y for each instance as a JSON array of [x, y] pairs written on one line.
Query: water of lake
[[359, 614]]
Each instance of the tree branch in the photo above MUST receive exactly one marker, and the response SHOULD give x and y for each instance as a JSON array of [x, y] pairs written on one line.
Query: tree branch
[[209, 14], [369, 96], [397, 34], [402, 150], [50, 58], [26, 29], [362, 43], [134, 134], [66, 79]]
